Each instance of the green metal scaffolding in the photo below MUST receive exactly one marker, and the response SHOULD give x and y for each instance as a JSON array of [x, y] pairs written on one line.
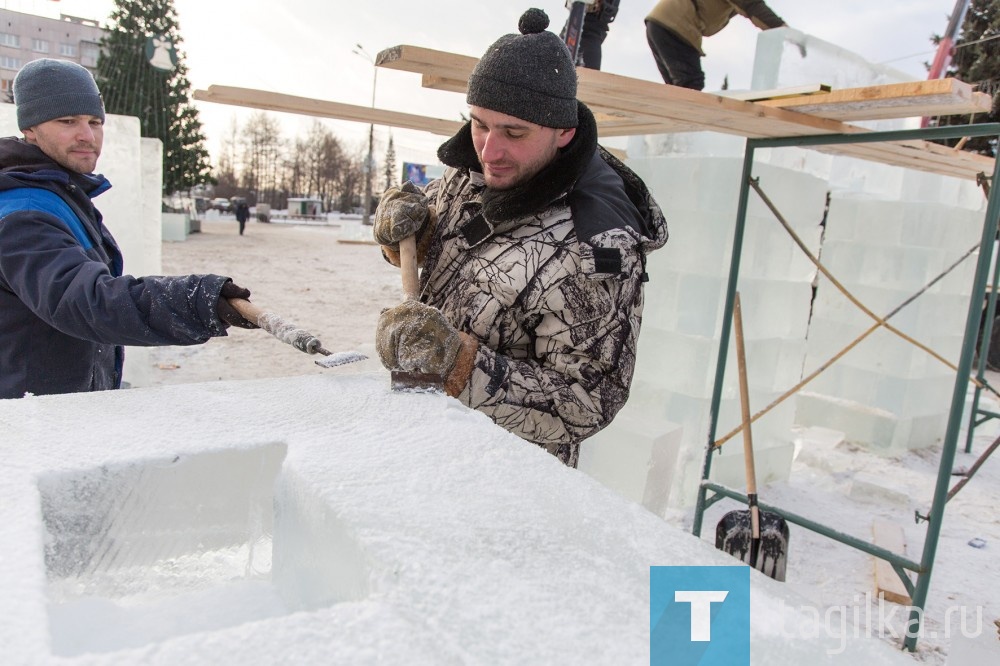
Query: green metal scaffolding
[[917, 589]]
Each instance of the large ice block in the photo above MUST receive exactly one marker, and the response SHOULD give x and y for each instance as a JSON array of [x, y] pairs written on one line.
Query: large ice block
[[637, 460], [430, 537]]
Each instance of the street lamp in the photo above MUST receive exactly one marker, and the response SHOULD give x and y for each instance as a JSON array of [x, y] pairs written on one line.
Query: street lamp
[[370, 162]]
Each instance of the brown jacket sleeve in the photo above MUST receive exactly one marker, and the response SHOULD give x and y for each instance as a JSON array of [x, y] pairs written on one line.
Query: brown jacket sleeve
[[759, 13]]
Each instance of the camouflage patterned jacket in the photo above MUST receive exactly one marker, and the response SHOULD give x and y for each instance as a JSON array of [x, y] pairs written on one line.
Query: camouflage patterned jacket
[[547, 277]]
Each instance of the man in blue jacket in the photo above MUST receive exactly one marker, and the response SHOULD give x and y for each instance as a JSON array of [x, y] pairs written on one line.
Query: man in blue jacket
[[66, 309]]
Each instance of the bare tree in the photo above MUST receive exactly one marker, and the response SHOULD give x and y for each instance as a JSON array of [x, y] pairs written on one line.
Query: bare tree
[[226, 179], [324, 163], [258, 163], [262, 151]]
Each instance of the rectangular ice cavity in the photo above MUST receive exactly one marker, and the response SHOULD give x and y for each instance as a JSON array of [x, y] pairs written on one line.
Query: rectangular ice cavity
[[139, 552]]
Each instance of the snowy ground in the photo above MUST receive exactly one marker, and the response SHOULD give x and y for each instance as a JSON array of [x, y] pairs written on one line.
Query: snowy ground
[[336, 291], [332, 289]]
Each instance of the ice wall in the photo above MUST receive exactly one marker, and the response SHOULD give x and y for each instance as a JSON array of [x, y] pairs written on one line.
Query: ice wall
[[685, 295], [889, 231], [131, 208], [887, 393], [325, 519]]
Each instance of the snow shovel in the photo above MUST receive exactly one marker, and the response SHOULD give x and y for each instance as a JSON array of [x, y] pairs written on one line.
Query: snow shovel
[[759, 538], [289, 333]]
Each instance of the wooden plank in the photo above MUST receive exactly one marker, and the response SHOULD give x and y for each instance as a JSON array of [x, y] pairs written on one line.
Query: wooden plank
[[938, 97], [261, 99], [779, 93], [889, 536], [654, 107]]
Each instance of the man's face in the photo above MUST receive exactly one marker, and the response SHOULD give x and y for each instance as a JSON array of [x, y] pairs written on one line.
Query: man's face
[[74, 142], [512, 150]]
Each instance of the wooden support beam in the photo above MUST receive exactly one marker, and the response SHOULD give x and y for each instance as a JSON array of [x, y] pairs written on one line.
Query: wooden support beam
[[262, 99], [938, 97]]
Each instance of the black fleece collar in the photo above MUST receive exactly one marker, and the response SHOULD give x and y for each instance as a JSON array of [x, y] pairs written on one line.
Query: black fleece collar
[[553, 181]]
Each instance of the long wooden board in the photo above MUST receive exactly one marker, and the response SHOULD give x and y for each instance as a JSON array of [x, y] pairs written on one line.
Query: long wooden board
[[638, 106], [938, 97], [271, 101]]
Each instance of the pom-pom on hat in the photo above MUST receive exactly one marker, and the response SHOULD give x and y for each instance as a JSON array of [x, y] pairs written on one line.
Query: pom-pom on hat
[[530, 76], [46, 89]]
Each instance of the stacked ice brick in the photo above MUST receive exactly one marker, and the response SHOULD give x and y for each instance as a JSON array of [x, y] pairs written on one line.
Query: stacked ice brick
[[888, 232], [887, 393], [679, 344]]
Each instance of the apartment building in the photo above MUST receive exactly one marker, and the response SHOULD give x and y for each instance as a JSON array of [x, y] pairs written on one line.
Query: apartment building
[[26, 37]]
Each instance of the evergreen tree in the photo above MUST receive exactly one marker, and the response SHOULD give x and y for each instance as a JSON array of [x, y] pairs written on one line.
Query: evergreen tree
[[390, 165], [976, 60], [142, 73]]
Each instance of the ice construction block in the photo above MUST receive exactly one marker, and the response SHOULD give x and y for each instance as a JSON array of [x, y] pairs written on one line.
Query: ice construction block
[[175, 226], [945, 227], [778, 63], [635, 456], [799, 198], [659, 309], [677, 362], [902, 396], [877, 429], [929, 315], [799, 160], [891, 267], [775, 308], [770, 253], [931, 188], [873, 488], [774, 364], [879, 349], [855, 217], [832, 304], [688, 182], [699, 304], [772, 463], [699, 243]]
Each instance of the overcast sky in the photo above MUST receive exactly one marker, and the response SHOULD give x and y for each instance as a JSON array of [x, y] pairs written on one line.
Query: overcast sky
[[304, 48]]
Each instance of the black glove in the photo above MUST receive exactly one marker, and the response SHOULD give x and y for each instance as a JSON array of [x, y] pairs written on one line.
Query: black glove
[[416, 338], [227, 313], [402, 212]]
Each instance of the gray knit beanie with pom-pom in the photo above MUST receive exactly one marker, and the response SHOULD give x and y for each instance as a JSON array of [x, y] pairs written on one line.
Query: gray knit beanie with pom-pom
[[529, 76]]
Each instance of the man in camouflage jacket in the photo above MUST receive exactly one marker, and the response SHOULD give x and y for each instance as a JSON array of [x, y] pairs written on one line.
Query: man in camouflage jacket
[[532, 247]]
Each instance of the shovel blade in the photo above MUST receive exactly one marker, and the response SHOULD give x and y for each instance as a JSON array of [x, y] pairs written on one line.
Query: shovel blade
[[734, 535]]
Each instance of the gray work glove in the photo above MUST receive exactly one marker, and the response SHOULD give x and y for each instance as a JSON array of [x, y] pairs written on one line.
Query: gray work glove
[[402, 212], [227, 313], [416, 338]]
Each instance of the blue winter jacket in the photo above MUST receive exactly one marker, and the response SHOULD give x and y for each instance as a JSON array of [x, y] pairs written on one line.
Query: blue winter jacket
[[66, 309]]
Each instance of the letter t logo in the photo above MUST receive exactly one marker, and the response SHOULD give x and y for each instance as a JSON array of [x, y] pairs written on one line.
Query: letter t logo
[[701, 610]]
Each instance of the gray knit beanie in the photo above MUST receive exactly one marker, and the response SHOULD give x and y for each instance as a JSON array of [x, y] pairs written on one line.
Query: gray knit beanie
[[46, 89], [529, 76]]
